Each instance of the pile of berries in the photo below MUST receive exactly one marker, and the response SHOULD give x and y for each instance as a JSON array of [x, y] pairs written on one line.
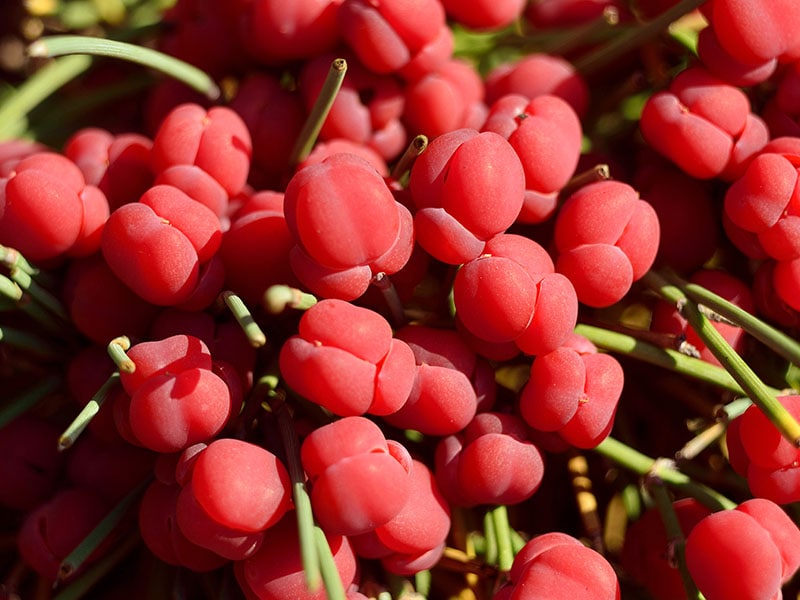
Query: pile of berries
[[487, 299]]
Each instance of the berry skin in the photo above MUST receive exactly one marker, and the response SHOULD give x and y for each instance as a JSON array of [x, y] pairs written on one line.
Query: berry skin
[[756, 540], [468, 187], [703, 125], [359, 480], [557, 566], [573, 390], [347, 226], [216, 140], [345, 359], [607, 238], [546, 134], [46, 208], [512, 294]]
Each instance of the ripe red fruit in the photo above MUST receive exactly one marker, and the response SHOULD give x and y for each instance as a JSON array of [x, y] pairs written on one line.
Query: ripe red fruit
[[274, 116], [359, 480], [277, 32], [484, 14], [100, 305], [536, 75], [468, 187], [763, 201], [54, 528], [347, 226], [648, 553], [345, 359], [607, 238], [546, 134], [756, 540], [445, 99], [512, 294], [703, 125], [759, 452], [559, 567], [447, 386], [490, 462], [386, 36], [216, 140], [573, 390], [688, 216], [160, 532], [232, 492], [46, 208], [275, 571], [117, 164], [727, 67], [754, 31]]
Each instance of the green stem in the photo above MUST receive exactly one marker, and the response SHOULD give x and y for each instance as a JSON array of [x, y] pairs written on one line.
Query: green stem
[[242, 315], [116, 350], [35, 89], [675, 536], [639, 463], [634, 37], [661, 357], [81, 422], [20, 404], [319, 112], [278, 298], [79, 588], [334, 589], [502, 529], [30, 343], [754, 388], [309, 546], [75, 559], [59, 45], [490, 548], [774, 339], [29, 285], [415, 148]]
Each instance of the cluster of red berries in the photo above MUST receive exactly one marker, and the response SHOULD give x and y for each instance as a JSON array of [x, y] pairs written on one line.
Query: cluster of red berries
[[434, 280]]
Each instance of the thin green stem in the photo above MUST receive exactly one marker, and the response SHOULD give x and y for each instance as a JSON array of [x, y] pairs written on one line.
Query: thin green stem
[[30, 342], [634, 37], [29, 285], [319, 112], [754, 388], [242, 315], [78, 588], [415, 148], [116, 350], [502, 530], [278, 298], [675, 536], [59, 45], [771, 337], [309, 548], [661, 357], [490, 548], [81, 422], [35, 89], [75, 559], [334, 589], [16, 406], [641, 464]]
